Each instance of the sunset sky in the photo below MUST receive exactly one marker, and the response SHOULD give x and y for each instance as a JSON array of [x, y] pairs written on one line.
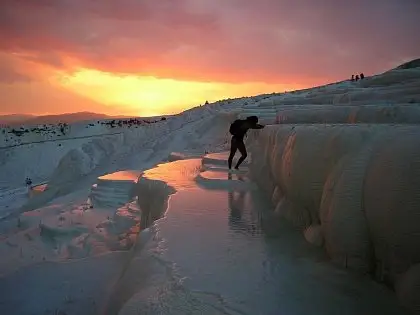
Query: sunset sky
[[148, 57]]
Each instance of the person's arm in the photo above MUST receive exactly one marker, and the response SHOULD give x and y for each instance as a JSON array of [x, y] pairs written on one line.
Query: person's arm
[[257, 126]]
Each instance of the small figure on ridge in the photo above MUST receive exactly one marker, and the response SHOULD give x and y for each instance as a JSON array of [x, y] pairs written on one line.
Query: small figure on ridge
[[28, 183]]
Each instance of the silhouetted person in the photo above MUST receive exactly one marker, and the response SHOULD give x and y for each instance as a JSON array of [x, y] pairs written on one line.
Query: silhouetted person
[[352, 77], [357, 77], [238, 129], [362, 76]]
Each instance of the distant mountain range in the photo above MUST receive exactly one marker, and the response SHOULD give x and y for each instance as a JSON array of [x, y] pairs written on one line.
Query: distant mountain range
[[16, 119]]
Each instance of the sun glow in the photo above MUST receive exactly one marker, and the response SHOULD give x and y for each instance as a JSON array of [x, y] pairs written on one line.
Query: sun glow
[[147, 96]]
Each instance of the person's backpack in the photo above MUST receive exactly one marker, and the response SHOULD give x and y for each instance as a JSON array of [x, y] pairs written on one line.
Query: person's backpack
[[235, 127]]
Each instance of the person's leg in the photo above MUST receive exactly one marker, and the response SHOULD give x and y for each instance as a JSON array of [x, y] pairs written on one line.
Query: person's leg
[[233, 148], [242, 149]]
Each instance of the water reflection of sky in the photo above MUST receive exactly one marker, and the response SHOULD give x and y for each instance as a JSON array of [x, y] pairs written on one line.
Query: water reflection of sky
[[178, 174], [224, 243], [240, 219], [127, 175]]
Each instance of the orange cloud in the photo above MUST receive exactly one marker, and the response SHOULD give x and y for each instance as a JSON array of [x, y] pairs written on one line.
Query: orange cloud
[[151, 96], [40, 98], [51, 90]]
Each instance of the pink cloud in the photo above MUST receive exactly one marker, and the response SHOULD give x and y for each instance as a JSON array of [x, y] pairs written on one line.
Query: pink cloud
[[273, 41]]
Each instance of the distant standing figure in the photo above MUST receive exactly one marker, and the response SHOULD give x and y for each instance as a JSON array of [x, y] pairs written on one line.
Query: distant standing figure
[[357, 77], [352, 77], [362, 76], [238, 129], [28, 183]]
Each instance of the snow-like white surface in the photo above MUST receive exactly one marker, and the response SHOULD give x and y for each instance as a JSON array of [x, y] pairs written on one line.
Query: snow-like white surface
[[62, 161], [353, 188], [197, 131], [88, 245]]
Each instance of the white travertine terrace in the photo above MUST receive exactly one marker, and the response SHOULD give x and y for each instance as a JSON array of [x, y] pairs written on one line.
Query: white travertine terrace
[[352, 188]]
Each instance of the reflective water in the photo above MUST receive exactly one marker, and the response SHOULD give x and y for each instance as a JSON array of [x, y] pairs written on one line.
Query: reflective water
[[221, 252], [178, 174], [39, 188]]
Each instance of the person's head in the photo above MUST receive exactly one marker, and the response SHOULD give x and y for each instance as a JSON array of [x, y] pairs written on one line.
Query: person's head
[[253, 120]]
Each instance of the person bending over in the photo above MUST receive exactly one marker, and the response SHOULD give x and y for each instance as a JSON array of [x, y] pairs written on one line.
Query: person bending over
[[238, 129]]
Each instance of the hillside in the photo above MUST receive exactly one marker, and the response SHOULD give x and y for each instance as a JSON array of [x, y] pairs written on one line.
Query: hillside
[[410, 65], [62, 118], [14, 118]]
